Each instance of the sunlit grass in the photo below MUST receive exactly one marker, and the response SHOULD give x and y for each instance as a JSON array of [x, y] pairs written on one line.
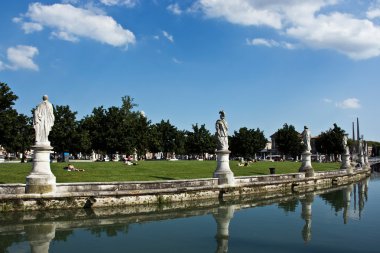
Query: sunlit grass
[[148, 170]]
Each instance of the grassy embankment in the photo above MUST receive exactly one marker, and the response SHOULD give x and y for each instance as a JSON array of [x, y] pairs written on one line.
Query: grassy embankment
[[148, 170]]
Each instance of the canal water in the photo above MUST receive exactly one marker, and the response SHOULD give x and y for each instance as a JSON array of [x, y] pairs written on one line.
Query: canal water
[[344, 219]]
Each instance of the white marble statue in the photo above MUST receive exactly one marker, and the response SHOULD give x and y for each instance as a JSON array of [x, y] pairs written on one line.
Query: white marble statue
[[306, 137], [345, 145], [43, 121], [222, 132], [361, 146]]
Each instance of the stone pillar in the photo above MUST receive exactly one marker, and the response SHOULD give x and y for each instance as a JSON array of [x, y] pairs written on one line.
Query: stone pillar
[[223, 218], [223, 171], [40, 236], [306, 164], [41, 179]]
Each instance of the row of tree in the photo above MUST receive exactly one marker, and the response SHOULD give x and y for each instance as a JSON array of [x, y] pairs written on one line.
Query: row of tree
[[125, 130]]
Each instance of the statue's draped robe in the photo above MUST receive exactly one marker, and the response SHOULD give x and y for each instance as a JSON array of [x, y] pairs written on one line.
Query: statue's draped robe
[[43, 121], [222, 134]]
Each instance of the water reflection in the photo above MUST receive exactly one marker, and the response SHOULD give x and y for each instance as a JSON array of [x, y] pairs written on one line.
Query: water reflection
[[39, 229]]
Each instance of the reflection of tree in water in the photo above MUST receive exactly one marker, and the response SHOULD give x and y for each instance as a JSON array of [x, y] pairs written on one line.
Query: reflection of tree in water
[[289, 205], [110, 231], [7, 241], [335, 199], [62, 235]]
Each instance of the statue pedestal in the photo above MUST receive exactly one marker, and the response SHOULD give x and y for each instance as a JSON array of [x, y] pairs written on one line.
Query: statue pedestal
[[306, 164], [40, 236], [223, 171], [346, 164], [41, 179]]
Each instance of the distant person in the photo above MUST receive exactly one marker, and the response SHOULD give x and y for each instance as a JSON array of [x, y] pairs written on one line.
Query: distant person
[[71, 167]]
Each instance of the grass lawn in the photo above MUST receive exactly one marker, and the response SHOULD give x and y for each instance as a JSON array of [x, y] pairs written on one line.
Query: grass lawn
[[148, 170]]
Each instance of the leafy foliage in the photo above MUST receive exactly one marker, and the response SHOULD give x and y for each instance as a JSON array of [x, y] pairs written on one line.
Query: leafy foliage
[[64, 134], [330, 142], [199, 141], [288, 141], [247, 142], [16, 132]]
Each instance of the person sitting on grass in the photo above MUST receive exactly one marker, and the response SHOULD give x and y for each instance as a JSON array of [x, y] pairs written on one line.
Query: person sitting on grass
[[71, 167]]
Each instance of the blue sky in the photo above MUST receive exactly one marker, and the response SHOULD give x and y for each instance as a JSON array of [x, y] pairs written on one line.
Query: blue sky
[[264, 62]]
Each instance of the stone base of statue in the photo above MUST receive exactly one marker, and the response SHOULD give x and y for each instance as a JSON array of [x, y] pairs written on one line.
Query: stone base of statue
[[306, 164], [223, 171], [41, 180], [361, 160], [346, 163]]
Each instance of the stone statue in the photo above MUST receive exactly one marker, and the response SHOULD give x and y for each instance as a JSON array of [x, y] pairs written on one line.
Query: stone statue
[[43, 120], [306, 136], [361, 146], [222, 132], [345, 145]]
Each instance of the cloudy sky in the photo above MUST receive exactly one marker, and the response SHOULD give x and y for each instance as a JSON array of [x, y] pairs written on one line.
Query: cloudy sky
[[264, 62]]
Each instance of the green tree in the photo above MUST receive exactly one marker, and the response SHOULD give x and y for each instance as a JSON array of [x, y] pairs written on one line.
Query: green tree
[[247, 142], [22, 136], [8, 115], [330, 142], [117, 129], [64, 134], [200, 141], [164, 134], [288, 141]]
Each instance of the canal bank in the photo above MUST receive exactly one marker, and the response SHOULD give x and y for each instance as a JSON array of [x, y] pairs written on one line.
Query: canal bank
[[94, 195]]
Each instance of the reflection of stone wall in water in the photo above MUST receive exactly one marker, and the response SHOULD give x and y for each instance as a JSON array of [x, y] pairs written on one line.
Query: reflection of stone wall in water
[[40, 227]]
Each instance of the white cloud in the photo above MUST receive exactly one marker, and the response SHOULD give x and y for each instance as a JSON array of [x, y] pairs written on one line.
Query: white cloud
[[356, 38], [20, 57], [327, 100], [349, 103], [30, 27], [269, 43], [168, 36], [71, 23], [373, 13], [308, 21], [174, 8], [156, 37], [175, 60], [65, 36], [127, 3]]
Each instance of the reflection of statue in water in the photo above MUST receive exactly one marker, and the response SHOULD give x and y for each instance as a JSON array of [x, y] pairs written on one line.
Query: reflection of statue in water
[[306, 216], [222, 132], [223, 217], [43, 120], [306, 136]]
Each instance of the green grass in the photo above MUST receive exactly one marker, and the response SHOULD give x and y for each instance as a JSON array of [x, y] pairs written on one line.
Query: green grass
[[148, 170]]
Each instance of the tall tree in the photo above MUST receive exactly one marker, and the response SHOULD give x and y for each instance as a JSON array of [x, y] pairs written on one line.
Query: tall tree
[[200, 141], [288, 141], [165, 137], [64, 134], [330, 142], [247, 142], [23, 136], [8, 115]]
